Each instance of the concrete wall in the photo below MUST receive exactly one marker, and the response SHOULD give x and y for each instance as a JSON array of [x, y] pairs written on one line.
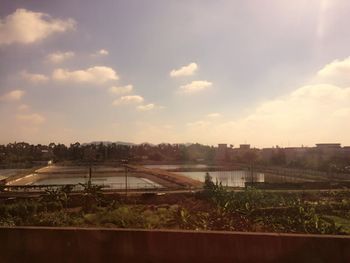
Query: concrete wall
[[106, 245]]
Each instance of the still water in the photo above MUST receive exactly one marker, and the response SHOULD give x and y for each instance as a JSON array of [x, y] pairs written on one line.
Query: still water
[[228, 178], [108, 182]]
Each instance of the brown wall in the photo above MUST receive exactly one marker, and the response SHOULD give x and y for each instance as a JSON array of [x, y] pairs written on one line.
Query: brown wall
[[106, 245]]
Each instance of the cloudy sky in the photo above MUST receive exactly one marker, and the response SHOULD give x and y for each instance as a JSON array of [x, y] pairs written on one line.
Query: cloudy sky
[[264, 72]]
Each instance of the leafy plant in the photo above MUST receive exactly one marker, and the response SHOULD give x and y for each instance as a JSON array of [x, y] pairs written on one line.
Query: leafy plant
[[92, 196], [57, 196]]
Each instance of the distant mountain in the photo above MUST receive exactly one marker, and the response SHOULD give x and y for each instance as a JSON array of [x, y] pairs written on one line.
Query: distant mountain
[[127, 143], [147, 143], [109, 143], [178, 143]]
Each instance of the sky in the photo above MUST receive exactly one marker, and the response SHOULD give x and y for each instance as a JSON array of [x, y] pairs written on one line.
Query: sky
[[264, 72]]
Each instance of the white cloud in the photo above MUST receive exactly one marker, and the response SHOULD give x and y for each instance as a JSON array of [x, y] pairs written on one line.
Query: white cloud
[[126, 100], [14, 95], [214, 115], [33, 118], [121, 90], [200, 124], [307, 114], [24, 26], [103, 52], [23, 107], [146, 107], [59, 57], [188, 70], [195, 86], [313, 113], [34, 78], [93, 75], [336, 72], [100, 53]]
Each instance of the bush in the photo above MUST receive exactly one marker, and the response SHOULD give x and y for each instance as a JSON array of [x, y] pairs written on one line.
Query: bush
[[282, 212]]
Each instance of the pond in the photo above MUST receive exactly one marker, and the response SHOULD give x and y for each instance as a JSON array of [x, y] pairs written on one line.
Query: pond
[[238, 178], [108, 182], [228, 178]]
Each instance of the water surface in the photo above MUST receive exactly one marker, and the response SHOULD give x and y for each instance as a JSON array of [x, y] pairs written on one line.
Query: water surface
[[108, 182], [228, 178]]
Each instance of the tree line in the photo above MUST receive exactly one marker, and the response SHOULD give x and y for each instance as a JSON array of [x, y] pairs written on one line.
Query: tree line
[[22, 152]]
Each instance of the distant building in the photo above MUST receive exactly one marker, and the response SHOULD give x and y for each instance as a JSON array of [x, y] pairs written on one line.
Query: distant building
[[294, 153], [346, 149], [308, 156], [328, 145], [222, 152], [327, 150], [244, 146], [243, 153], [266, 154]]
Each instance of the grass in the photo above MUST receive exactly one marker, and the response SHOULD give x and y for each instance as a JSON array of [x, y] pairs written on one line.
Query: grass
[[132, 216], [342, 222]]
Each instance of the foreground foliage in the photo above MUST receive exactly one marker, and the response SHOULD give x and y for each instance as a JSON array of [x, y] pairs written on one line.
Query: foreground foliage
[[215, 208]]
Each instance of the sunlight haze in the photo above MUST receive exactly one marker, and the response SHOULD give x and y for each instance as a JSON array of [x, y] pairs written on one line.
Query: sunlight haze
[[260, 72]]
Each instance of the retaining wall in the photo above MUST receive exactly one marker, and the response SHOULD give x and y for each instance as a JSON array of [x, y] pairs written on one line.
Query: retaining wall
[[34, 244]]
